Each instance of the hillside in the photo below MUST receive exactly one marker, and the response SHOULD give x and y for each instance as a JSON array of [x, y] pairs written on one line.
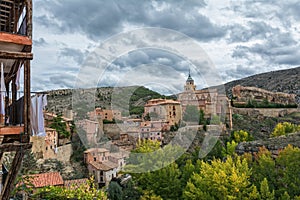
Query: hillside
[[60, 100], [287, 81]]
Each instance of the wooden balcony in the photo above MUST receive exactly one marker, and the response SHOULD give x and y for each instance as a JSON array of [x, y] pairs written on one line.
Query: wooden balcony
[[15, 53]]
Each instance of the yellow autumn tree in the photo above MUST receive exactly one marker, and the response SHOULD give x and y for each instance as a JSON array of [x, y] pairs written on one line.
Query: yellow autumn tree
[[222, 180], [284, 129]]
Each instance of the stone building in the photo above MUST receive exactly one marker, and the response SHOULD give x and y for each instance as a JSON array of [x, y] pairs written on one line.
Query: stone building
[[105, 114], [210, 100], [103, 165], [164, 110], [242, 95]]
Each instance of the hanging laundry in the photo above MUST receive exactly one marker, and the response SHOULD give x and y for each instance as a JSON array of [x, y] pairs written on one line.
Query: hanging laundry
[[18, 78], [37, 116], [40, 116], [33, 116], [45, 102], [2, 91]]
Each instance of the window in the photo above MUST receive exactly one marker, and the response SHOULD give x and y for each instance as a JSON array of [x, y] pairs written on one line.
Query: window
[[95, 158]]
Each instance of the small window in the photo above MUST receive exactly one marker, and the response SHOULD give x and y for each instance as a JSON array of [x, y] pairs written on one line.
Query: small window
[[95, 158]]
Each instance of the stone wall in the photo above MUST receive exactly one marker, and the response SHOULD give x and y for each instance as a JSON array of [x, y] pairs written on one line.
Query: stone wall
[[267, 112], [241, 95], [272, 144], [64, 153], [39, 150]]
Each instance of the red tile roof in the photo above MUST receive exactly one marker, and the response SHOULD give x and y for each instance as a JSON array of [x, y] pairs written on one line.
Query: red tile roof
[[104, 166], [46, 179]]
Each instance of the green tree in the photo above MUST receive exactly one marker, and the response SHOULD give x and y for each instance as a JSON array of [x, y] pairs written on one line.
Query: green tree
[[150, 196], [241, 136], [264, 167], [191, 114], [215, 120], [202, 120], [230, 149], [221, 180], [130, 191], [288, 162], [187, 172], [114, 191], [60, 126], [285, 196], [284, 129], [265, 191]]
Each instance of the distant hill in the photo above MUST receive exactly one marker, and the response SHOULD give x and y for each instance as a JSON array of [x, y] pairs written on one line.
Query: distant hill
[[61, 100], [287, 81]]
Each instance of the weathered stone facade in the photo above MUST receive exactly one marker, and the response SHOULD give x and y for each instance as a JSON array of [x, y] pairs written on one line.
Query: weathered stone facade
[[210, 100], [241, 95]]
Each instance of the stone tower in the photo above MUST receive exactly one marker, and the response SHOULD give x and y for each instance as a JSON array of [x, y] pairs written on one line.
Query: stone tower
[[189, 84]]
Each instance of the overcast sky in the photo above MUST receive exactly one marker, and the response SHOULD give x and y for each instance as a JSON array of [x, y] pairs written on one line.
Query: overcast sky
[[241, 38]]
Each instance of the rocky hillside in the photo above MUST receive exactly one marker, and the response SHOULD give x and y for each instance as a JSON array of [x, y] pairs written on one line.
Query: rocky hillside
[[61, 100], [287, 81]]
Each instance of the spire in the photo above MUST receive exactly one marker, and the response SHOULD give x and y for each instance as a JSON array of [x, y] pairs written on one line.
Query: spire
[[189, 77]]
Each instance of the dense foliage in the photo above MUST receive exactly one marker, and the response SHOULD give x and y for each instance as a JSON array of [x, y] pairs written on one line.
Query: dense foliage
[[284, 129], [60, 126], [258, 176]]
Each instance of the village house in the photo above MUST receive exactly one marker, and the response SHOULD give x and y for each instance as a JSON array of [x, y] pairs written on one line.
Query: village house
[[47, 147], [151, 130], [105, 114], [163, 110], [103, 165], [91, 129]]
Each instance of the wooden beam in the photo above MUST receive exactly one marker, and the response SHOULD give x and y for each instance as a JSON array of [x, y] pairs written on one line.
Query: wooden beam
[[14, 38], [16, 55], [29, 18], [8, 1], [6, 147], [27, 99], [12, 174], [14, 99]]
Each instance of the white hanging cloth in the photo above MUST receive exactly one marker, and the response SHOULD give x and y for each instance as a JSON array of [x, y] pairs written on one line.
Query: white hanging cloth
[[40, 116], [33, 116], [18, 78], [2, 92], [37, 115]]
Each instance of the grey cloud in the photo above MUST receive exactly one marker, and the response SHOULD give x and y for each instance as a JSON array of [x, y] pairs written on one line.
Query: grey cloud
[[63, 80], [253, 30], [98, 19], [76, 54], [41, 42], [280, 48]]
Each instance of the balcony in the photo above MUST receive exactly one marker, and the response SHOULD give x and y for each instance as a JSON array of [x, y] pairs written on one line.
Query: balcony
[[15, 54]]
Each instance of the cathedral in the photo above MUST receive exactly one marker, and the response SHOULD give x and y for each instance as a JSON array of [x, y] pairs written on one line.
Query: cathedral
[[209, 100]]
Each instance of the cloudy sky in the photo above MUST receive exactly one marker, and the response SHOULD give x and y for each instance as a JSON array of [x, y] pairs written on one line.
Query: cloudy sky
[[240, 38]]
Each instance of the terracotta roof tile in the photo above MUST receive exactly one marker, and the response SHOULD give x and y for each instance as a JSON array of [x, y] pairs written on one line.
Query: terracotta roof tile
[[105, 166], [46, 179]]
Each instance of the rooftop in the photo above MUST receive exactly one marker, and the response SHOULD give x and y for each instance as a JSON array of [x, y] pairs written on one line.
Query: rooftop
[[45, 179], [104, 166], [98, 150]]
